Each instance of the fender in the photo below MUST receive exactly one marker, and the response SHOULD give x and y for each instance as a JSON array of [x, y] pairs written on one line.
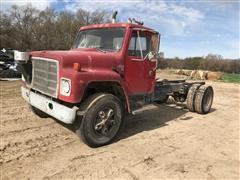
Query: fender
[[81, 80]]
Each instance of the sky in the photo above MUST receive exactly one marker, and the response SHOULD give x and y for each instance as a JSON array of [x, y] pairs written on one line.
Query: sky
[[187, 27]]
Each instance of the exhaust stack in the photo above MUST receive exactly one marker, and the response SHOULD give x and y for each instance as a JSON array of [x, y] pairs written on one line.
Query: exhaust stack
[[114, 17]]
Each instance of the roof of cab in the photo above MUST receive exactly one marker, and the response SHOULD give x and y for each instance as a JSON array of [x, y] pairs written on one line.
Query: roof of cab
[[109, 25]]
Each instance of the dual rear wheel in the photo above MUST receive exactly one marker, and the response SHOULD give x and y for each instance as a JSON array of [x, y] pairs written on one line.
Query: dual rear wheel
[[200, 98]]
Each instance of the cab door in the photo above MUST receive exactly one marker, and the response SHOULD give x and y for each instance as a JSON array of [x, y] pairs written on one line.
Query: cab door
[[139, 71]]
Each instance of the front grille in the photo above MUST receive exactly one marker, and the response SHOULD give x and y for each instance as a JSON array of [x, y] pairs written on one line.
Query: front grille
[[45, 76]]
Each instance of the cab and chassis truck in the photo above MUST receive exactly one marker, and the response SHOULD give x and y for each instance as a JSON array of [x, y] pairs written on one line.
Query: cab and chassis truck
[[109, 72]]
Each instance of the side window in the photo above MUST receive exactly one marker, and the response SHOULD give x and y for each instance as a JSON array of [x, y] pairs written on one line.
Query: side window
[[143, 43], [138, 43], [155, 42], [132, 44]]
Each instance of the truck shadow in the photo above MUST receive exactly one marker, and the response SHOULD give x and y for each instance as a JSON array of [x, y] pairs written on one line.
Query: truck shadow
[[148, 120], [145, 121], [153, 119]]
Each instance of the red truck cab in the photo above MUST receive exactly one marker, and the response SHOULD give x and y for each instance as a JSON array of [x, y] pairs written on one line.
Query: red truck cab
[[108, 54]]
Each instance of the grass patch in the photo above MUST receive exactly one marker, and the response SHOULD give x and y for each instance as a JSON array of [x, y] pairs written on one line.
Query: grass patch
[[233, 78]]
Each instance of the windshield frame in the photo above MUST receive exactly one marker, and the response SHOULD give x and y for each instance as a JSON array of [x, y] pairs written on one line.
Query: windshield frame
[[75, 42]]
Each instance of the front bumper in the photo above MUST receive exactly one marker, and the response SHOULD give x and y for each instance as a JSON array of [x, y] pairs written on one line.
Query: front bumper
[[54, 109]]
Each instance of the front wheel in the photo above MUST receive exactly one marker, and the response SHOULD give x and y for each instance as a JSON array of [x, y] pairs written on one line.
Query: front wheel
[[102, 120]]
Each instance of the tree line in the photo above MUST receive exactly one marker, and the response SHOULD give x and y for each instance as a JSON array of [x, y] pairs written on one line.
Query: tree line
[[27, 28], [209, 63]]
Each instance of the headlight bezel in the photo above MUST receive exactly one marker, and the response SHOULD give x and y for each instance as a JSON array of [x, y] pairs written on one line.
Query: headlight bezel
[[65, 86]]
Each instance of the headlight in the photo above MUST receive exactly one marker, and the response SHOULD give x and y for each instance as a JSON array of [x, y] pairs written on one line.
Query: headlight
[[65, 88]]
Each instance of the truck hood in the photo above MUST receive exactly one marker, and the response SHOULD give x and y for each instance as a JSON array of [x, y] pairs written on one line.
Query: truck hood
[[88, 58]]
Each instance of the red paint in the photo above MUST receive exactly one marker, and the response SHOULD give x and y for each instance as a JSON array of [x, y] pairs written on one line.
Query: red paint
[[98, 66]]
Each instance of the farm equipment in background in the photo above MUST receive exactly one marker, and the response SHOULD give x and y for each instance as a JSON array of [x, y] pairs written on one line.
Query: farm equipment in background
[[8, 66], [109, 71]]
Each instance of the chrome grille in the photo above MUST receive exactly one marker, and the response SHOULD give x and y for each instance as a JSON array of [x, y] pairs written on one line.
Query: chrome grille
[[45, 76]]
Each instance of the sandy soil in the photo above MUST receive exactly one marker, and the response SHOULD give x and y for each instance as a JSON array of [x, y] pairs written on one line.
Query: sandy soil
[[166, 142]]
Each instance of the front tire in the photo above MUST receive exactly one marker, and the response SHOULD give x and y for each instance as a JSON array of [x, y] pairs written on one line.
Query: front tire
[[102, 119]]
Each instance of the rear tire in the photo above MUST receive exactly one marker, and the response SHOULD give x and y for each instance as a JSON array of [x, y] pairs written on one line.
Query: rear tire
[[203, 100], [38, 112], [102, 120], [191, 97]]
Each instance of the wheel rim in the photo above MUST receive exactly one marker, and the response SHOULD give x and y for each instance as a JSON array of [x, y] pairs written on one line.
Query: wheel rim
[[106, 122], [207, 100]]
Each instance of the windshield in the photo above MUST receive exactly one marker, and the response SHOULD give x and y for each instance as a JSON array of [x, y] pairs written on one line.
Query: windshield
[[106, 39]]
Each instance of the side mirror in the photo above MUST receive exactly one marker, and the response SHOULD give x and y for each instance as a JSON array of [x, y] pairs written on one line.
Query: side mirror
[[153, 56]]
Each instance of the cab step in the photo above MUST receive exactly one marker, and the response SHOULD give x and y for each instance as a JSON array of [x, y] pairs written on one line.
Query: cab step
[[144, 108]]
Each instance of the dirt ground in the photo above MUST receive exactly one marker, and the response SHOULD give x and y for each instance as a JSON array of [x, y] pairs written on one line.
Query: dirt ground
[[166, 142]]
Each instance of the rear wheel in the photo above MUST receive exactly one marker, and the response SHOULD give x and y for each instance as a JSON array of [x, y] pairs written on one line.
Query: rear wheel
[[102, 120], [38, 112], [203, 100], [191, 97]]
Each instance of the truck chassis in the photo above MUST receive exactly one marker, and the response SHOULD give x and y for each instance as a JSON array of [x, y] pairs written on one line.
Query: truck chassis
[[109, 72]]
